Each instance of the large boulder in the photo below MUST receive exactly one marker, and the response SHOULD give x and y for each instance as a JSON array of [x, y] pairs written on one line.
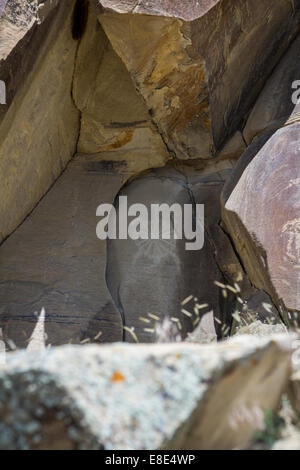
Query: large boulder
[[114, 117], [199, 67], [142, 396], [261, 207]]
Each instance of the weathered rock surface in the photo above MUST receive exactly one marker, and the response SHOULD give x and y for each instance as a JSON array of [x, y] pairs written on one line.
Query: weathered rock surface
[[156, 275], [261, 329], [114, 117], [142, 397], [274, 107], [2, 5], [54, 260], [40, 123], [289, 443], [174, 8], [197, 89], [261, 206], [294, 388], [258, 312]]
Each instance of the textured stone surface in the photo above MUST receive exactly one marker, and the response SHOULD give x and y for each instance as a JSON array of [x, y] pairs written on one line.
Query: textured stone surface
[[157, 275], [2, 5], [289, 443], [40, 123], [234, 147], [54, 260], [198, 91], [261, 214], [294, 387], [18, 17], [274, 106], [142, 397], [257, 309], [175, 8], [261, 329], [113, 116]]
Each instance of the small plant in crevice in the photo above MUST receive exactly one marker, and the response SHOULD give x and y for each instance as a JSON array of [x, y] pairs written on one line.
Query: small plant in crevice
[[274, 425]]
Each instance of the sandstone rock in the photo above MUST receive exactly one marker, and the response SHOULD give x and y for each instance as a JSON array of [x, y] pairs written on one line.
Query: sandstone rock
[[17, 19], [261, 213], [260, 329], [2, 5], [155, 276], [258, 313], [205, 332], [142, 397], [294, 387], [274, 106], [185, 11], [234, 147], [113, 116], [197, 90], [39, 124], [55, 261]]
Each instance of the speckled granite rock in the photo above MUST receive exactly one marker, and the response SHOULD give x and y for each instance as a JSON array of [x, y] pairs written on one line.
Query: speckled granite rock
[[179, 396]]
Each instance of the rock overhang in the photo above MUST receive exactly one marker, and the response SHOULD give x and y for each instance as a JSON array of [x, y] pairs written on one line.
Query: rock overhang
[[187, 11]]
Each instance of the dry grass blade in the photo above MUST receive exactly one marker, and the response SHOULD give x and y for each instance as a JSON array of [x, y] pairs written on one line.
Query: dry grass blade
[[144, 320], [154, 317], [219, 284], [131, 332], [86, 340], [186, 313], [149, 330], [186, 301]]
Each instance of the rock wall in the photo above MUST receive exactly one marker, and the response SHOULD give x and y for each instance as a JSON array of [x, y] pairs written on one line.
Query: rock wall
[[40, 123], [261, 199], [199, 71], [125, 88]]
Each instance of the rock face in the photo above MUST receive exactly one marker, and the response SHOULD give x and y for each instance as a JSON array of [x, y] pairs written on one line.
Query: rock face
[[185, 11], [294, 388], [274, 107], [62, 270], [262, 214], [2, 5], [128, 86], [260, 329], [142, 397], [36, 63], [114, 117], [155, 276], [196, 89]]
